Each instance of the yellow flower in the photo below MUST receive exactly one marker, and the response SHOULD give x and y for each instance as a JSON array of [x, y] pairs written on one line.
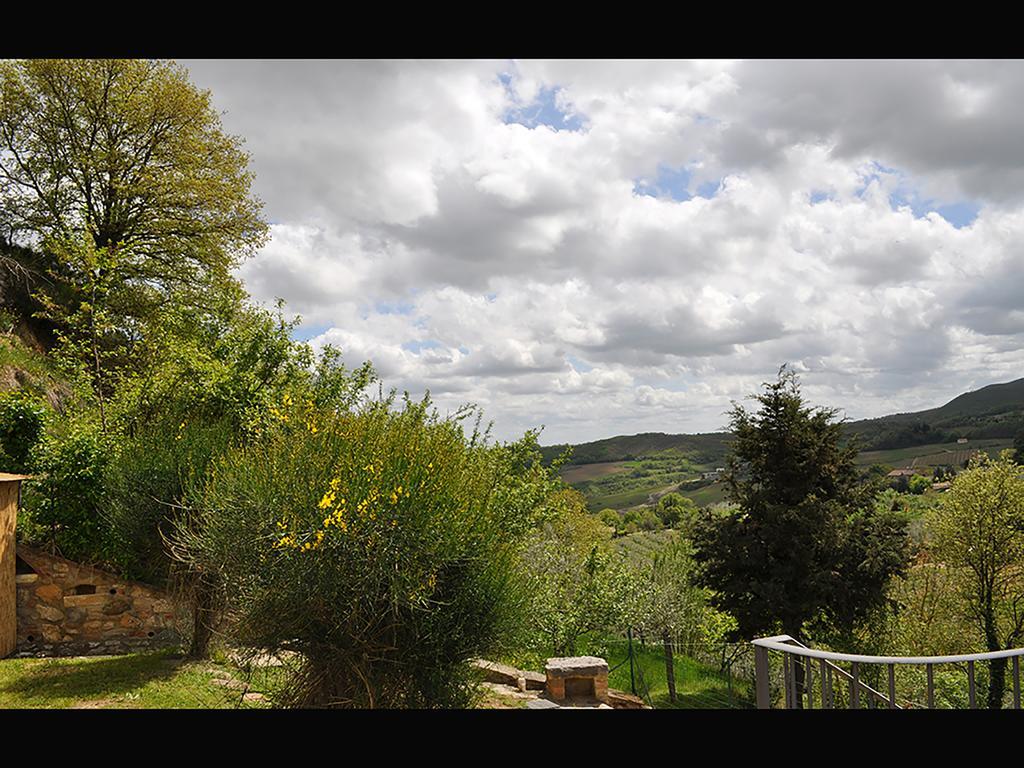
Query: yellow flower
[[327, 500]]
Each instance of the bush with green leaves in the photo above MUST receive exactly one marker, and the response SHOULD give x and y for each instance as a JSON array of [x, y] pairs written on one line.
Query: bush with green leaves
[[675, 510], [22, 423], [381, 544], [580, 585], [918, 484], [63, 503]]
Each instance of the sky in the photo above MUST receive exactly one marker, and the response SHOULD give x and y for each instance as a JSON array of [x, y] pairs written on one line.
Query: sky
[[615, 247]]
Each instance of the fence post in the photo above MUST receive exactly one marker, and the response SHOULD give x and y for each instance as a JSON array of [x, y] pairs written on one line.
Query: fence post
[[764, 700], [632, 681]]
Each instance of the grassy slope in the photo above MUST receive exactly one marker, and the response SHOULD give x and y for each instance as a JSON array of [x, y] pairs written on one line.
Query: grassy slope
[[697, 686], [932, 455], [155, 680]]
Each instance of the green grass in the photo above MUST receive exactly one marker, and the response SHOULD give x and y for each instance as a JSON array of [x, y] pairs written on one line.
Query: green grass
[[698, 686], [709, 494], [642, 545], [156, 680], [933, 454]]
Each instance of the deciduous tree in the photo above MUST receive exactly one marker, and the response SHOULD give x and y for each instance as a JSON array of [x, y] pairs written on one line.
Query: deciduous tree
[[979, 530]]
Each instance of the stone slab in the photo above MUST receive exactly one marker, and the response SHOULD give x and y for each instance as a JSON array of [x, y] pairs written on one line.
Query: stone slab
[[576, 666], [541, 704]]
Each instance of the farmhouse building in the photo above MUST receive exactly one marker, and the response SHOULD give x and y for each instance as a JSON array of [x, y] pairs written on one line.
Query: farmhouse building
[[903, 472]]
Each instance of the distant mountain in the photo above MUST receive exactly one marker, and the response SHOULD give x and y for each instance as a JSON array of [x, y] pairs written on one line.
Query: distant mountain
[[709, 448], [995, 411]]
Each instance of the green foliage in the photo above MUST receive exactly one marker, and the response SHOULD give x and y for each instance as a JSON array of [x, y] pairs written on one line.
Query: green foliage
[[381, 543], [63, 503], [129, 152], [640, 519], [233, 361], [918, 484], [676, 510], [671, 605], [580, 584], [805, 545], [979, 531], [145, 488], [22, 422], [611, 518]]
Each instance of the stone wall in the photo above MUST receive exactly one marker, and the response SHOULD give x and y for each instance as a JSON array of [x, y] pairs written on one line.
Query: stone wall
[[69, 609]]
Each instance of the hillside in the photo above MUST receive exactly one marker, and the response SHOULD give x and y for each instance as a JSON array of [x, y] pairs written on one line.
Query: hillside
[[629, 470], [995, 411], [708, 448]]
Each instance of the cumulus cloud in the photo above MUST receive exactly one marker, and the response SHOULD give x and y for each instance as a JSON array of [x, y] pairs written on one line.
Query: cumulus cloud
[[612, 247]]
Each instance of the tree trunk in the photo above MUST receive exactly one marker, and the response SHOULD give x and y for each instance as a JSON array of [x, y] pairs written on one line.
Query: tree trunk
[[997, 667], [670, 669], [996, 683], [202, 619]]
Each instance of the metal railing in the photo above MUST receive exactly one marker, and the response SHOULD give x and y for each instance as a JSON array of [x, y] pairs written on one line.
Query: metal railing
[[799, 661]]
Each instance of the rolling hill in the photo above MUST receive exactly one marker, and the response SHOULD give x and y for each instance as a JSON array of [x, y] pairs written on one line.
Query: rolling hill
[[628, 470]]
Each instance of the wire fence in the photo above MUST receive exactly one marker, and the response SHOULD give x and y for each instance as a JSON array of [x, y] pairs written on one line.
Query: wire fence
[[699, 675]]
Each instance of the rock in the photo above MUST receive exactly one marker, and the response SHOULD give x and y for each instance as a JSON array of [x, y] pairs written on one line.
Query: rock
[[622, 700], [49, 613], [49, 592], [498, 673], [541, 704], [576, 666], [229, 683], [116, 607], [535, 681]]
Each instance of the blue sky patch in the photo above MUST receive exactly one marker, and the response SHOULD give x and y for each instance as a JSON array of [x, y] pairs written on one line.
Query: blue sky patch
[[418, 345], [307, 332], [675, 183], [578, 364], [543, 110], [960, 213]]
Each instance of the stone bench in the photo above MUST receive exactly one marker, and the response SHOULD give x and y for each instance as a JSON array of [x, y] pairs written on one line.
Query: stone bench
[[577, 676]]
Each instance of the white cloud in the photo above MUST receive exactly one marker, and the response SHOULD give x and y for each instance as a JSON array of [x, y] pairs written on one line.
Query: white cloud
[[518, 267]]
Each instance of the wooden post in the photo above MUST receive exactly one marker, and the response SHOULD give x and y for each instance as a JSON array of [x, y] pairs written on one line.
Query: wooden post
[[10, 490], [764, 699]]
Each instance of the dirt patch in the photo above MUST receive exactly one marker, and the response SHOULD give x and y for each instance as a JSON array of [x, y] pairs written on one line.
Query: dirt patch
[[582, 472], [95, 704]]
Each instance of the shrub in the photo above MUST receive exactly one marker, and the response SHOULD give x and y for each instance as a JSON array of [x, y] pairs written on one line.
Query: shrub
[[145, 488], [63, 502], [676, 510], [380, 544], [580, 585], [22, 422], [918, 484]]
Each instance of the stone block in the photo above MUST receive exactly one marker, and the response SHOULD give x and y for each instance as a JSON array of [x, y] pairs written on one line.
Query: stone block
[[49, 613], [49, 592]]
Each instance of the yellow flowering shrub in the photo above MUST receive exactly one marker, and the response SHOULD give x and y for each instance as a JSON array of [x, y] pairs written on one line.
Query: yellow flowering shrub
[[382, 545]]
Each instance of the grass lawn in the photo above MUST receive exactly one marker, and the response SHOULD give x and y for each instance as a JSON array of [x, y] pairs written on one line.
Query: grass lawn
[[156, 680], [697, 686]]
